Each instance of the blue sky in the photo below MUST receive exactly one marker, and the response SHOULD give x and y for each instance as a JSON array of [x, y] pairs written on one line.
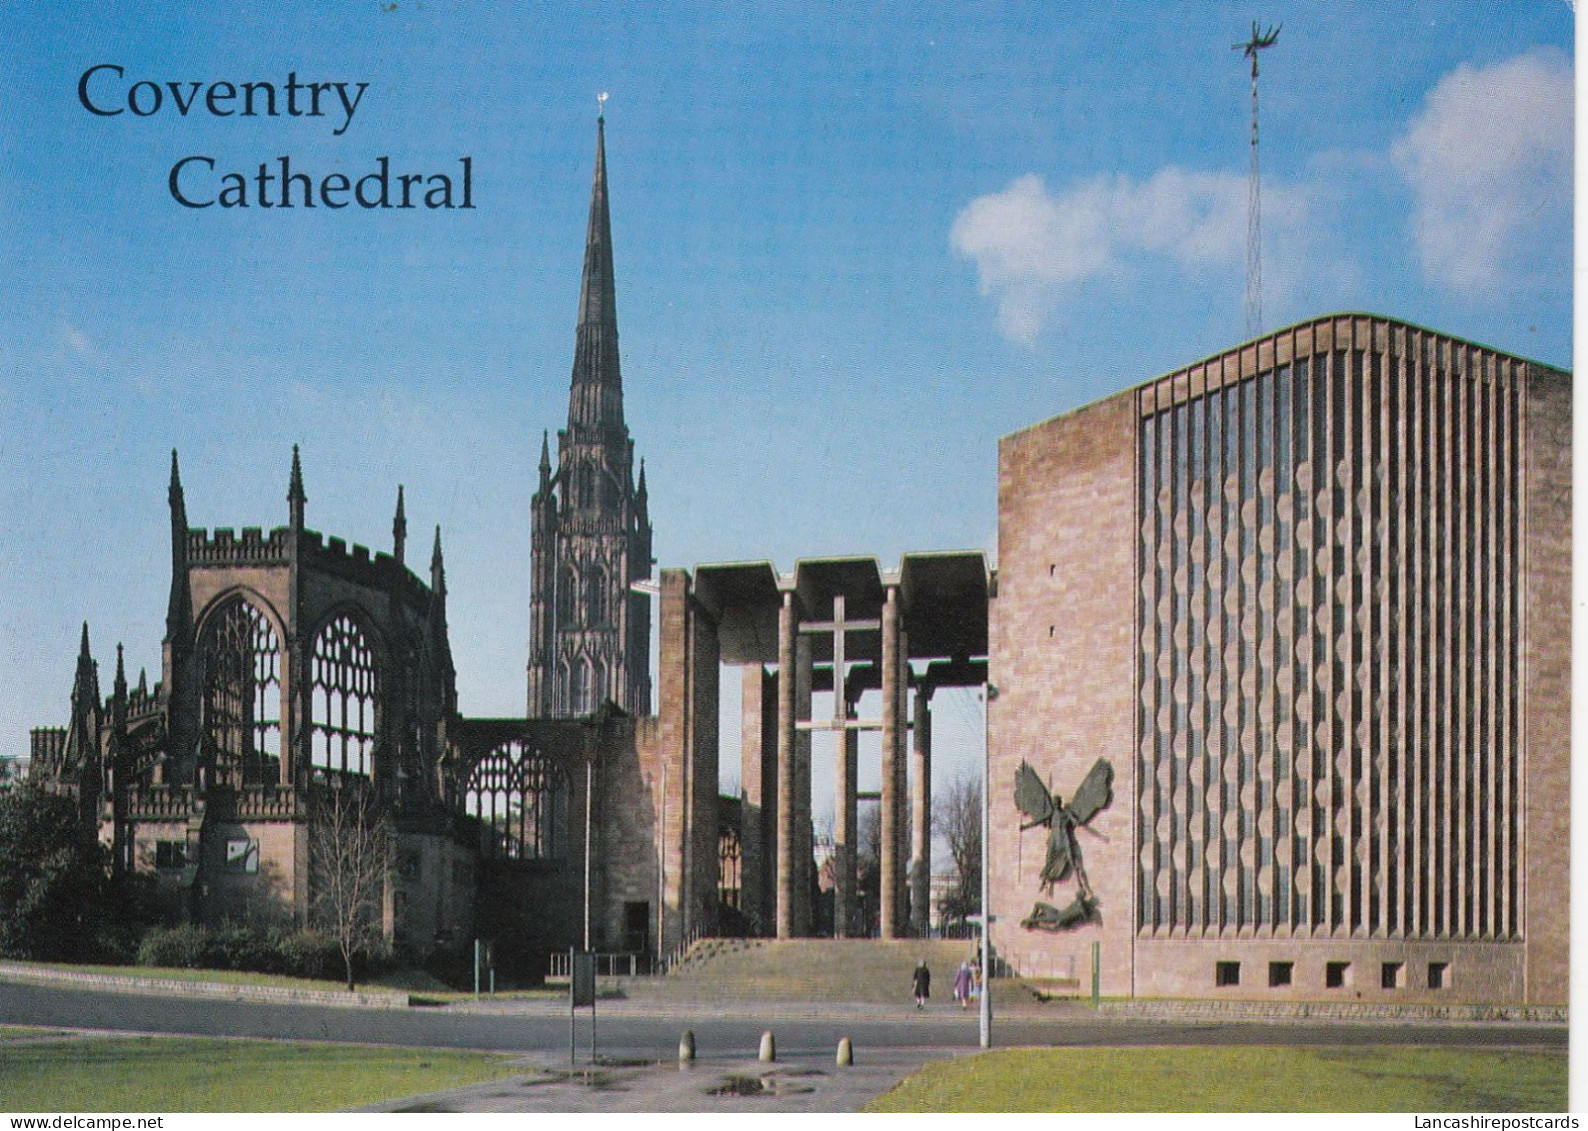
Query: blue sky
[[854, 247]]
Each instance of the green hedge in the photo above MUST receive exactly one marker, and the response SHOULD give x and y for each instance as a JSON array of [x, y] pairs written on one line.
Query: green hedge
[[303, 954]]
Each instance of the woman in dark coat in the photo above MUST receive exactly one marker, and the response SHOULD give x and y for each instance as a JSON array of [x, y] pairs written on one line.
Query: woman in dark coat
[[921, 983]]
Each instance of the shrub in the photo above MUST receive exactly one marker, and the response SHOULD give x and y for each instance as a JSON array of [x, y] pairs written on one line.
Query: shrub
[[52, 878], [307, 954], [235, 946], [182, 946]]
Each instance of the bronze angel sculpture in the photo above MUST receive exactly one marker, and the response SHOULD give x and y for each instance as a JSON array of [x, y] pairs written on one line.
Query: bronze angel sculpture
[[1041, 807]]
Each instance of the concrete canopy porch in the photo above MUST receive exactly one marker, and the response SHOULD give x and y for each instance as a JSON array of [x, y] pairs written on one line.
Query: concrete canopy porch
[[832, 625]]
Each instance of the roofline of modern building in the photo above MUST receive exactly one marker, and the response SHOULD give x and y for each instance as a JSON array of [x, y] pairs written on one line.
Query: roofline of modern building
[[1278, 331]]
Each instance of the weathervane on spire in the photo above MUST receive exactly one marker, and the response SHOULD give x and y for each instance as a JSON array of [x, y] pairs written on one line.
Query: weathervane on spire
[[601, 106]]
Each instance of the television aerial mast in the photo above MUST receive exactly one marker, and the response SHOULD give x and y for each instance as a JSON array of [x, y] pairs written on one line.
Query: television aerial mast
[[1254, 198]]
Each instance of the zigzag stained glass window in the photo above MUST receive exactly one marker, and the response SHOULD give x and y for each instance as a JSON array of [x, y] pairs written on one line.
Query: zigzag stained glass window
[[1327, 617]]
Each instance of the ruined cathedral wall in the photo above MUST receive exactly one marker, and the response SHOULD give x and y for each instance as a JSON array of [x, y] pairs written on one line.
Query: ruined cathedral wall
[[626, 824], [433, 893], [249, 871], [215, 574]]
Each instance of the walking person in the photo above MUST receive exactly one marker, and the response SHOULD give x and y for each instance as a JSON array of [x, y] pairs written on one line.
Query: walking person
[[962, 985], [921, 984]]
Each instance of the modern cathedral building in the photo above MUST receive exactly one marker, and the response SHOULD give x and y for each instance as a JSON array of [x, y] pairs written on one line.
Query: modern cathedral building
[[1277, 650], [1309, 600]]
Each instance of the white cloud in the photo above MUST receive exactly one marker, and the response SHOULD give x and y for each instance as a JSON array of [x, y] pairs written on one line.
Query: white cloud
[[1489, 162], [1032, 248], [78, 342]]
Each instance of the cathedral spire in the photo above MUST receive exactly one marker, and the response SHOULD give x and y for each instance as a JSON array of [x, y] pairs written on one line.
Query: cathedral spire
[[438, 590], [295, 496], [178, 607], [589, 631], [595, 403], [438, 571], [85, 686], [81, 756], [399, 528]]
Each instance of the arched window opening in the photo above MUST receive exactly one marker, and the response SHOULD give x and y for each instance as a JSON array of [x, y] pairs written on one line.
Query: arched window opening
[[521, 800], [598, 684], [579, 687], [342, 700], [241, 658], [730, 863], [567, 597], [595, 596]]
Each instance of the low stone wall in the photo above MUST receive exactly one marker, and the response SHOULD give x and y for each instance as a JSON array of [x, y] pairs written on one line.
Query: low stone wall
[[215, 991], [1328, 1011]]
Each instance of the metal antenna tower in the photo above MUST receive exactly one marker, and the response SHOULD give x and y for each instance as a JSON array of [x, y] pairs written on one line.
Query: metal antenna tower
[[1254, 192]]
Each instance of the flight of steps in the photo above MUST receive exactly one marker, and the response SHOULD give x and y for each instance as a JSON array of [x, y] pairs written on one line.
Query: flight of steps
[[862, 971]]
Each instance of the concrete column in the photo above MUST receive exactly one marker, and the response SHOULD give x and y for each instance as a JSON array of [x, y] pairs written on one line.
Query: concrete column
[[892, 901], [703, 731], [921, 815], [901, 785], [671, 781], [758, 782], [803, 846], [786, 770], [845, 827]]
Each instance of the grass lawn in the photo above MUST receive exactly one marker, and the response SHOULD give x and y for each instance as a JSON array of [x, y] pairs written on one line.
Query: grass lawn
[[25, 1033], [1251, 1079], [146, 1074]]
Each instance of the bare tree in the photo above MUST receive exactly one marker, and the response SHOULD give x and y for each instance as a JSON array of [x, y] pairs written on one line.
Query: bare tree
[[351, 855], [958, 820], [868, 869]]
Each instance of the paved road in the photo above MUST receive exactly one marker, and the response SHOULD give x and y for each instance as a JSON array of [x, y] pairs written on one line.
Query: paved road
[[889, 1044], [628, 1030]]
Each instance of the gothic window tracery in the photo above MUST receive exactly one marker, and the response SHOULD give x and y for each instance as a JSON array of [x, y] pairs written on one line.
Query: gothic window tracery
[[521, 800], [342, 700], [241, 658]]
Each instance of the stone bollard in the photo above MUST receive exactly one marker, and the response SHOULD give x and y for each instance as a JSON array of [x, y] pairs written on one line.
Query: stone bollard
[[768, 1046], [846, 1053], [686, 1047]]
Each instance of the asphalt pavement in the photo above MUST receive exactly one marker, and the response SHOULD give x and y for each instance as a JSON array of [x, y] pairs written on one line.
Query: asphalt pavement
[[639, 1042]]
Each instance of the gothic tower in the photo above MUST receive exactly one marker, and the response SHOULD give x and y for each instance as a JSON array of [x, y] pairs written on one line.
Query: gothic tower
[[591, 533]]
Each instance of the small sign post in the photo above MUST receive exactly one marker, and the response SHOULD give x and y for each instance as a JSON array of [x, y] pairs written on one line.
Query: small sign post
[[1097, 972], [581, 992]]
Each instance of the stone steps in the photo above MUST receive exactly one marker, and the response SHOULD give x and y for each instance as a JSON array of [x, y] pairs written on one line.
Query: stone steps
[[806, 970]]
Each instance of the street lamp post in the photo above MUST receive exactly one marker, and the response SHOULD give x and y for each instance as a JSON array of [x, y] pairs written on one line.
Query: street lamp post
[[986, 823]]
